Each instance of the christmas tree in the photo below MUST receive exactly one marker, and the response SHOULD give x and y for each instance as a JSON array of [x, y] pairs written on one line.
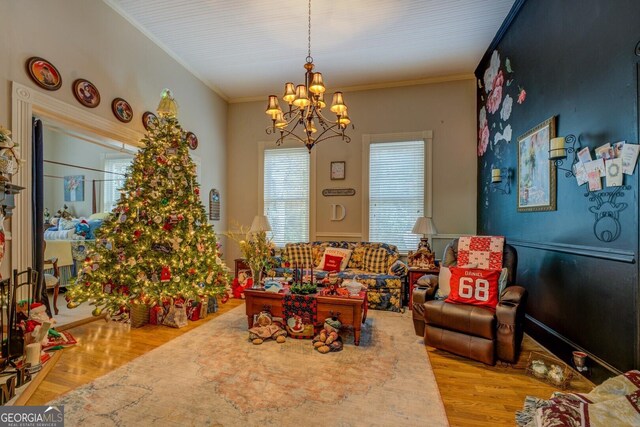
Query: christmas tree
[[157, 243]]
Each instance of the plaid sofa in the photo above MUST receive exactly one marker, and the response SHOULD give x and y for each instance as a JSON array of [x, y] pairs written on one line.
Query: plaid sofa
[[384, 285]]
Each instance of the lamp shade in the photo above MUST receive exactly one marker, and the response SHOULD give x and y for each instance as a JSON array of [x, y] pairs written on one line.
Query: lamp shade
[[272, 107], [557, 148], [260, 223], [317, 84], [344, 119], [424, 226], [337, 106], [289, 92], [302, 100]]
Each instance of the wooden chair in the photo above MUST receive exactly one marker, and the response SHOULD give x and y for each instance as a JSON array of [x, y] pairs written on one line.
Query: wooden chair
[[52, 281]]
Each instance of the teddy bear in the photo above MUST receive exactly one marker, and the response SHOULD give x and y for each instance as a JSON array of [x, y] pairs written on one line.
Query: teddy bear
[[240, 284], [328, 339], [264, 327]]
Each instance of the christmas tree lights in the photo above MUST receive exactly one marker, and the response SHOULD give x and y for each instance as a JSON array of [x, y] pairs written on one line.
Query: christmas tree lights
[[157, 243]]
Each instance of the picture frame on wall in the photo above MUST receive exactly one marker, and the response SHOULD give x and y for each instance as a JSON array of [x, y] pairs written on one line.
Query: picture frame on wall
[[122, 110], [149, 120], [74, 188], [86, 93], [338, 170], [192, 140], [536, 173], [44, 73]]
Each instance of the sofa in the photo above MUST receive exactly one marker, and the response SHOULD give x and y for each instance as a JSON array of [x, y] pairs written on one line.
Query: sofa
[[383, 277]]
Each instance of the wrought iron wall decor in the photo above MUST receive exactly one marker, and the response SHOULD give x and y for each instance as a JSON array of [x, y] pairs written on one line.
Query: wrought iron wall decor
[[501, 182], [607, 210], [570, 148]]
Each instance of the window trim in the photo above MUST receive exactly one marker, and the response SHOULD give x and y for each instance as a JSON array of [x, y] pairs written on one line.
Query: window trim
[[367, 140], [269, 145]]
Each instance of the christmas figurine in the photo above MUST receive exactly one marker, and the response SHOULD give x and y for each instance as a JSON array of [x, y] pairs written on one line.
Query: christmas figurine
[[165, 274]]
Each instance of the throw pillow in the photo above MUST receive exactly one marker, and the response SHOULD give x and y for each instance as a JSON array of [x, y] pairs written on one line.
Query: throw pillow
[[100, 215], [357, 257], [444, 283], [67, 224], [332, 263], [474, 286], [345, 254], [485, 251], [375, 260], [298, 254]]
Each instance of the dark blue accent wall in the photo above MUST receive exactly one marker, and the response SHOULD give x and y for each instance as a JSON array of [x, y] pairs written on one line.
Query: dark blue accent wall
[[576, 60]]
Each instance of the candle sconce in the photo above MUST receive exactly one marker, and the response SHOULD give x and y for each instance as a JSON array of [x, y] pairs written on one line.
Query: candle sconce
[[559, 149], [498, 176]]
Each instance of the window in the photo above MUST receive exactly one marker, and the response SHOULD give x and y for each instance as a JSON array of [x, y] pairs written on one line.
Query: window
[[113, 182], [286, 193], [396, 192]]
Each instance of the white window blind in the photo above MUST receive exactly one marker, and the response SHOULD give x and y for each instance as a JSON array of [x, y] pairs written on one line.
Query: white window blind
[[286, 194], [396, 192], [113, 183]]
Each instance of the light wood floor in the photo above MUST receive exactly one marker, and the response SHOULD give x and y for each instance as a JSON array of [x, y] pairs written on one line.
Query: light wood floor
[[474, 394]]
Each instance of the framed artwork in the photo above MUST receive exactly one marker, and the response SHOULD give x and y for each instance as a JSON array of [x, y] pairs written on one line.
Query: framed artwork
[[536, 174], [337, 170], [148, 120], [86, 93], [74, 188], [214, 205], [44, 73], [192, 140], [122, 110]]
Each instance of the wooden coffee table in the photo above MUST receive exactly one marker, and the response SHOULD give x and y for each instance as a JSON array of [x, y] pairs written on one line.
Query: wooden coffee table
[[351, 311]]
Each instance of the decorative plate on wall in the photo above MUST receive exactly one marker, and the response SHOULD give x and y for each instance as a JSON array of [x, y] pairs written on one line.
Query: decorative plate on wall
[[148, 120], [192, 140], [43, 73], [86, 93], [122, 110]]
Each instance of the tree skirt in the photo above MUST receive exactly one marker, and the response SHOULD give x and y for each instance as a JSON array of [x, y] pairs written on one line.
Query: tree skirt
[[214, 376]]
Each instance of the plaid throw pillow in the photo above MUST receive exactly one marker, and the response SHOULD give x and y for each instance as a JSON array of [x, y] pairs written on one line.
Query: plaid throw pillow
[[300, 254], [375, 260]]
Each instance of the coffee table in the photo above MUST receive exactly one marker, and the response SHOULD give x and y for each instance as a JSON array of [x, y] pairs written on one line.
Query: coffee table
[[352, 310]]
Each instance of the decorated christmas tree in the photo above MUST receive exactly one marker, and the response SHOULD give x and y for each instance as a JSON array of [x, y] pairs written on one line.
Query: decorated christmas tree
[[157, 243]]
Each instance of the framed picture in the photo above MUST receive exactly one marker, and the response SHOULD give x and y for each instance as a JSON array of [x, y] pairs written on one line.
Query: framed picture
[[74, 188], [148, 120], [122, 110], [192, 140], [43, 73], [536, 174], [86, 93], [337, 170]]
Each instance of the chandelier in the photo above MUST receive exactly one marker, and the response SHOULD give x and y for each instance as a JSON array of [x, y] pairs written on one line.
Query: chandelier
[[304, 120]]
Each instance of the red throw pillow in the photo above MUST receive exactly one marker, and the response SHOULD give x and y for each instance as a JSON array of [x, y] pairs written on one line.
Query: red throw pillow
[[474, 286], [332, 263]]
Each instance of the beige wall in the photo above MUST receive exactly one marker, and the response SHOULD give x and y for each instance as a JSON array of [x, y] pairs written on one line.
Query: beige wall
[[88, 39], [447, 109]]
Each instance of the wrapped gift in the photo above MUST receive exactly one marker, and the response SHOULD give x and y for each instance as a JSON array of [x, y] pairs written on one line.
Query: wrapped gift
[[212, 305], [156, 315], [204, 307], [193, 310], [177, 316]]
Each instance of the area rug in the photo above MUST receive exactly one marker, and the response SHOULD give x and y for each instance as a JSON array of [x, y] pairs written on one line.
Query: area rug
[[213, 376]]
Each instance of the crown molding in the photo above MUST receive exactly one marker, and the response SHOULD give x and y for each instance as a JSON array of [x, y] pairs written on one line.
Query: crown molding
[[116, 7], [357, 88]]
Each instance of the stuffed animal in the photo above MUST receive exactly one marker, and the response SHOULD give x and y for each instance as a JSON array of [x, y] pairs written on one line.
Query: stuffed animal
[[264, 328], [328, 339], [240, 284], [83, 229]]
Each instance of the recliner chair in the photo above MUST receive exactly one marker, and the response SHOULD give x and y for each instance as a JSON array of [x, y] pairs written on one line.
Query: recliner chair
[[471, 331]]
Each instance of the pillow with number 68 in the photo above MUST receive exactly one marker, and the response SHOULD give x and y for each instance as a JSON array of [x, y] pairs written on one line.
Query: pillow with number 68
[[474, 286]]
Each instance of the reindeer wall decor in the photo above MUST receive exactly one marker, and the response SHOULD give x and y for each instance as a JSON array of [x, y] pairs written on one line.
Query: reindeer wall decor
[[607, 213]]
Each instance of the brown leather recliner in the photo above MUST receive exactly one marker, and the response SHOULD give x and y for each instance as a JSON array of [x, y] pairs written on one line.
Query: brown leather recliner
[[471, 331]]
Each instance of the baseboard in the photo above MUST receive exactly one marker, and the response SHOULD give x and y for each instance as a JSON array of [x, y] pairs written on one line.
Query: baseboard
[[562, 348], [80, 322]]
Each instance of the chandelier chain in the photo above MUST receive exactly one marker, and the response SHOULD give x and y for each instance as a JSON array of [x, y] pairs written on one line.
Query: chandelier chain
[[309, 50]]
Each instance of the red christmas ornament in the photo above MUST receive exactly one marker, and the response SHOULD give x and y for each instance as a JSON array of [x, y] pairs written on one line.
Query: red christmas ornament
[[196, 190], [165, 274], [137, 234], [192, 271], [224, 298], [167, 226]]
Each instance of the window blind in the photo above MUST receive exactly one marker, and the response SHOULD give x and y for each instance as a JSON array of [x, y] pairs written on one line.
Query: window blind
[[286, 194], [396, 192], [113, 183]]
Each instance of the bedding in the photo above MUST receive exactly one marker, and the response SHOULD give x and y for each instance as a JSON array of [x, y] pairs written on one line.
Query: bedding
[[59, 234]]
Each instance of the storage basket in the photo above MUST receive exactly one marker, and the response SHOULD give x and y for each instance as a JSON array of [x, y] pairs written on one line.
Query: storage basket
[[549, 370]]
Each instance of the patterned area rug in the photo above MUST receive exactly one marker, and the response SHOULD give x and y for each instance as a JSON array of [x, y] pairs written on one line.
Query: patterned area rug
[[214, 376]]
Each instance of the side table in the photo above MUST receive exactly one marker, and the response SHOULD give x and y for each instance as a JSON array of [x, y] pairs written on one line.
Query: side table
[[416, 273]]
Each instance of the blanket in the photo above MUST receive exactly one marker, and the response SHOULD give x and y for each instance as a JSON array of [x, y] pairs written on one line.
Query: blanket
[[615, 402]]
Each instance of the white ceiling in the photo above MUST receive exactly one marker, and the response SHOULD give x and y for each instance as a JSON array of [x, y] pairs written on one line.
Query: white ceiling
[[248, 48]]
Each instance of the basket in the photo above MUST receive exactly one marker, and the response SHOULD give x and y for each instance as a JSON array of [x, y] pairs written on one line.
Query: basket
[[549, 370], [139, 315]]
